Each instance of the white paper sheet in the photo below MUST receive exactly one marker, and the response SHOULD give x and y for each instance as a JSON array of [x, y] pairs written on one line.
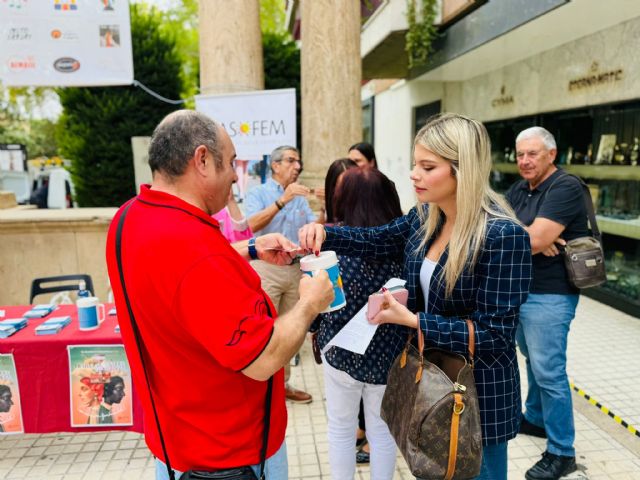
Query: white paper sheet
[[356, 335]]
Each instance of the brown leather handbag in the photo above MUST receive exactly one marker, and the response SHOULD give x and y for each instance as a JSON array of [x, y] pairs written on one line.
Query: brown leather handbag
[[431, 408]]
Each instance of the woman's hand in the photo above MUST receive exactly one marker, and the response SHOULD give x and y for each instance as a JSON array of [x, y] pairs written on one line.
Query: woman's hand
[[392, 311], [311, 237]]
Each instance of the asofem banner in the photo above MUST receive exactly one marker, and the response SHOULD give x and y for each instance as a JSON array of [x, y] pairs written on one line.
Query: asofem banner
[[65, 43], [257, 121]]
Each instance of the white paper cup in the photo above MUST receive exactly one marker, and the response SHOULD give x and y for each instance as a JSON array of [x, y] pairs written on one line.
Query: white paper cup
[[327, 261]]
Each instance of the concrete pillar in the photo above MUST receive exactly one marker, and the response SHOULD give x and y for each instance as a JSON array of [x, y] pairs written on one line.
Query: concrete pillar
[[230, 46], [331, 77]]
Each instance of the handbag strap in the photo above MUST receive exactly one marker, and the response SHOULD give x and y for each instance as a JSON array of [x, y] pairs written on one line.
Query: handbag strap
[[140, 345], [588, 203], [472, 340]]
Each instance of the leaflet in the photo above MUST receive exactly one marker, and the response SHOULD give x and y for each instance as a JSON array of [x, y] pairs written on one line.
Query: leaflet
[[357, 334]]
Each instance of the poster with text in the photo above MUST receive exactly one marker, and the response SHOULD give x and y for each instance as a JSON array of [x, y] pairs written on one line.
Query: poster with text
[[100, 381], [10, 410], [65, 43], [257, 122]]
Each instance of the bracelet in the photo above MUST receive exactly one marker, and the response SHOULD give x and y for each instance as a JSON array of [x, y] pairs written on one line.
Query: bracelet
[[279, 204], [253, 253]]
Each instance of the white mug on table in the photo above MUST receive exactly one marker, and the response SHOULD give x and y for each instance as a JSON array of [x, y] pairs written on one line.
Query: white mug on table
[[91, 313]]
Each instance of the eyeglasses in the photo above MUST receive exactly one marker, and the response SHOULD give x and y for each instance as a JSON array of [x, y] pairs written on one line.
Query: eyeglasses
[[291, 160]]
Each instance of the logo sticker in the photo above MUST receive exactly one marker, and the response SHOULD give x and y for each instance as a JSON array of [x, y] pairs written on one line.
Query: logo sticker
[[20, 64], [66, 65]]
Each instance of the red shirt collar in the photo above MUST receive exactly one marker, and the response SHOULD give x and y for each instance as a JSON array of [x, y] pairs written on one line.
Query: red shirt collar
[[156, 197]]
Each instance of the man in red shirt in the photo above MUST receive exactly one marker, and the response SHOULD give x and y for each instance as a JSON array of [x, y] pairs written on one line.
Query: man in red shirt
[[210, 342]]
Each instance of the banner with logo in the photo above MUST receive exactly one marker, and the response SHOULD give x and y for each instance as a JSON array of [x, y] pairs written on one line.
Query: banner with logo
[[65, 43], [10, 411], [100, 381], [257, 122]]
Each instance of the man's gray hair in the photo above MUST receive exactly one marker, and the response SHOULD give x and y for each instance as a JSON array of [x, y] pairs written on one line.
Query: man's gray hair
[[538, 132], [176, 138], [276, 155]]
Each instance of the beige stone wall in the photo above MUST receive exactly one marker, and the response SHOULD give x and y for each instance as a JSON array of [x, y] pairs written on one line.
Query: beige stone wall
[[42, 243], [230, 46], [331, 76], [543, 82]]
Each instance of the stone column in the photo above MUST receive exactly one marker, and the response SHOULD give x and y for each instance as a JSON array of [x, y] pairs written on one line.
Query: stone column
[[331, 77], [230, 46]]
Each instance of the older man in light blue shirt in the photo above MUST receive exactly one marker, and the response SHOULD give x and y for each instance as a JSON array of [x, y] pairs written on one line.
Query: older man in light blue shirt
[[280, 205]]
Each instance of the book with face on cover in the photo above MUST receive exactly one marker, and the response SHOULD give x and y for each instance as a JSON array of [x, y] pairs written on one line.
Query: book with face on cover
[[100, 386], [10, 409]]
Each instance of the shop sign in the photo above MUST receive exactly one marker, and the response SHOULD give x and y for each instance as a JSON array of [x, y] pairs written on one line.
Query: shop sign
[[503, 100], [596, 77]]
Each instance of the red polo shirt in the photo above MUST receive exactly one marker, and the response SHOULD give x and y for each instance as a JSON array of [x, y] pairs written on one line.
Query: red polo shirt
[[203, 318]]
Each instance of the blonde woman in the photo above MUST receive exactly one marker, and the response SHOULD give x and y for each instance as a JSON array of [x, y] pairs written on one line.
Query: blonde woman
[[465, 256]]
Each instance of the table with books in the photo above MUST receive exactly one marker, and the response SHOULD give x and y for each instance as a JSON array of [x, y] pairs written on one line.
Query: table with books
[[55, 377]]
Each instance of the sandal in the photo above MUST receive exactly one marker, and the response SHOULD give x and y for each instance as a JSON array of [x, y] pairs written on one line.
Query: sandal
[[361, 455]]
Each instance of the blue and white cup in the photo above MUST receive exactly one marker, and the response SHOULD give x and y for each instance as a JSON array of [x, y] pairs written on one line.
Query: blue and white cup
[[91, 313], [326, 261]]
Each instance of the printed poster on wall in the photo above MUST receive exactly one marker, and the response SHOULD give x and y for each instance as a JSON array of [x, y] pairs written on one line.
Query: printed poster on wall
[[10, 410], [100, 381], [65, 43], [257, 122]]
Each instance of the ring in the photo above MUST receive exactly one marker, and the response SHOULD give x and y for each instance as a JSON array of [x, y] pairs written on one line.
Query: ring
[[384, 305]]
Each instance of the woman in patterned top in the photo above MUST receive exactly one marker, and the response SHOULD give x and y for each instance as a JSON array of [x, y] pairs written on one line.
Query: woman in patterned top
[[364, 198], [465, 256]]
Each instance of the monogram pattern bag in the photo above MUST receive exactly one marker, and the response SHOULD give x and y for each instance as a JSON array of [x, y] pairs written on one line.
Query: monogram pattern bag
[[431, 407]]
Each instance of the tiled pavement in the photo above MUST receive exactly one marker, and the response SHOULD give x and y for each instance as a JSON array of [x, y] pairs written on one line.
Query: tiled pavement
[[604, 360]]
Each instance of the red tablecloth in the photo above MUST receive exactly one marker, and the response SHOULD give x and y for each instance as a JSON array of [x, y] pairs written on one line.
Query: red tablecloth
[[42, 366]]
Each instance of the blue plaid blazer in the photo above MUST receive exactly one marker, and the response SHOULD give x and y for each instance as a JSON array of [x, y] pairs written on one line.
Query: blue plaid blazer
[[489, 294]]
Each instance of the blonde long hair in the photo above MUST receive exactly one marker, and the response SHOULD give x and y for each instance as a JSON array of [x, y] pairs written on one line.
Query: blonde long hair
[[464, 143]]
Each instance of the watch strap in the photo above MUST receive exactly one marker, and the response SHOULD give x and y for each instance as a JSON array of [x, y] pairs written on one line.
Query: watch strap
[[253, 252]]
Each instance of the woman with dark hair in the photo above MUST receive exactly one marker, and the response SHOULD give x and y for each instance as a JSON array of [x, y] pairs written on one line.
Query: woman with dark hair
[[363, 154], [331, 182], [350, 376]]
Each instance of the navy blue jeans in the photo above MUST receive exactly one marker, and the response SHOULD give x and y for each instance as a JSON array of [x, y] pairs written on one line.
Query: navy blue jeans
[[542, 336], [494, 462]]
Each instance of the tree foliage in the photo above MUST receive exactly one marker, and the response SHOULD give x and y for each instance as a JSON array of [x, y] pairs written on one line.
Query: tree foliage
[[272, 16], [18, 123], [97, 124], [282, 66], [181, 21]]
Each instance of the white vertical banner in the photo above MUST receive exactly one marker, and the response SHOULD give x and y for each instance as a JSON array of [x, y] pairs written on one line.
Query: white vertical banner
[[257, 121], [65, 43]]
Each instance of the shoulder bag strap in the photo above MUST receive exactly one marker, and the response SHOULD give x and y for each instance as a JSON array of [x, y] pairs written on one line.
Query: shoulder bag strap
[[588, 203], [140, 345]]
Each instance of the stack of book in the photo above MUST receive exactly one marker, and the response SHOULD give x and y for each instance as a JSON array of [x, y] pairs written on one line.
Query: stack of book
[[39, 311], [11, 325], [53, 325]]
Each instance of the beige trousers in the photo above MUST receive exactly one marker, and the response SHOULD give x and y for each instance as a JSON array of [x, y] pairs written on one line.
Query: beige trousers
[[281, 284]]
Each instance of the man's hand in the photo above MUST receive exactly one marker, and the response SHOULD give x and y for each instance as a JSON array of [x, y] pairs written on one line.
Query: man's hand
[[319, 193], [393, 311], [294, 190], [552, 250], [311, 237], [317, 291], [276, 248]]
